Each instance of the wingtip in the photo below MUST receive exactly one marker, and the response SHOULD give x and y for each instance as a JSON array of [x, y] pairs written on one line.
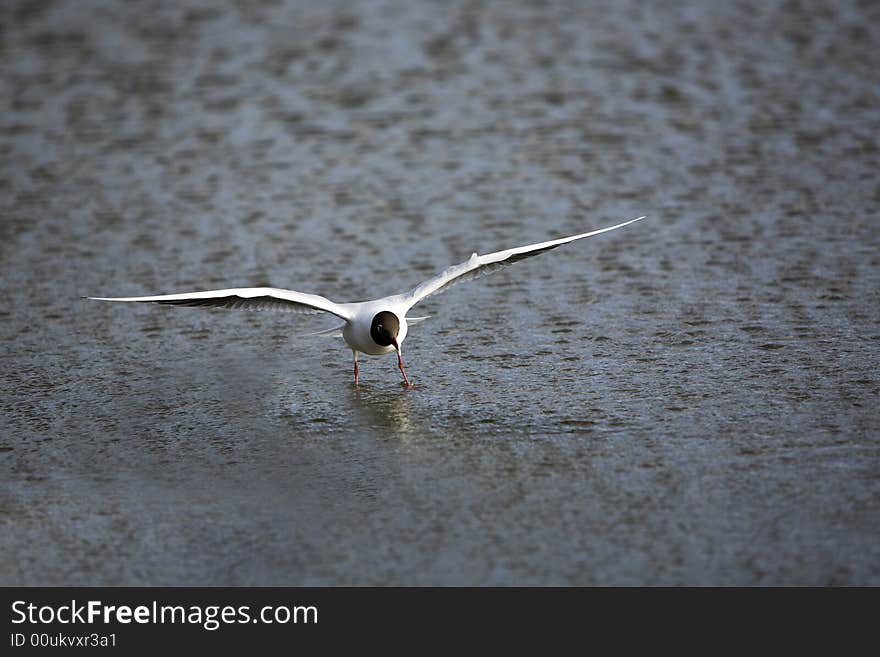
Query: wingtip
[[632, 221]]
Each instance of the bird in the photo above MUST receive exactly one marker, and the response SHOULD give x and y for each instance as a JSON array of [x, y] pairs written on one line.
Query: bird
[[376, 327]]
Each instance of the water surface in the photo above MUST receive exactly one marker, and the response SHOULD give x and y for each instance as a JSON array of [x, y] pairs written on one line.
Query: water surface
[[690, 400]]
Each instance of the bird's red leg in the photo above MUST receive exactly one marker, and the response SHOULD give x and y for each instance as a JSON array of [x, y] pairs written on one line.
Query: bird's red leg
[[355, 368], [402, 371]]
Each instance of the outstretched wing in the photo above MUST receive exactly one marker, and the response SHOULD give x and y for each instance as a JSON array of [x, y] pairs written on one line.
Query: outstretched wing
[[480, 265], [247, 298]]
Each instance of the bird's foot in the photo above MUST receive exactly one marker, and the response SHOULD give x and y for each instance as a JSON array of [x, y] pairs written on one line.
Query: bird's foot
[[403, 371]]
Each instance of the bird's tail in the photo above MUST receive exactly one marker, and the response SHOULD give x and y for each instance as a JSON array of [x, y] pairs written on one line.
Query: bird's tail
[[335, 332]]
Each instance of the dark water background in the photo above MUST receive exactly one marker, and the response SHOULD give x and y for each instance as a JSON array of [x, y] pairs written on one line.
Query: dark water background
[[691, 400]]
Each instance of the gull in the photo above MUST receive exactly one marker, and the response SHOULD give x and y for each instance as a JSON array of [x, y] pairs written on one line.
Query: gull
[[371, 327]]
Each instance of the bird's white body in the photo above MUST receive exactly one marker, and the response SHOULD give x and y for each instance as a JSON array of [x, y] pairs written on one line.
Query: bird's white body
[[372, 327]]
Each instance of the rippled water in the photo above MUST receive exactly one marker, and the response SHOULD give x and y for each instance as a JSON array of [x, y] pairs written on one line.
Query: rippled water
[[690, 400]]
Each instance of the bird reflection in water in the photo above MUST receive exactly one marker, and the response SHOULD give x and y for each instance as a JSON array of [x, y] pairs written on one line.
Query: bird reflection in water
[[385, 410]]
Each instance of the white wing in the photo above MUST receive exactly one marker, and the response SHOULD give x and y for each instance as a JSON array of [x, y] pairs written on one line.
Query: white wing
[[248, 298], [480, 265]]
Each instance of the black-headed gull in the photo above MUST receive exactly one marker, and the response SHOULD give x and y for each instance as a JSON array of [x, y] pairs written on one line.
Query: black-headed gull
[[371, 327]]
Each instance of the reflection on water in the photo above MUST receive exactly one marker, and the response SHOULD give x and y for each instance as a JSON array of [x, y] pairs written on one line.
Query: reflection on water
[[383, 409], [386, 410]]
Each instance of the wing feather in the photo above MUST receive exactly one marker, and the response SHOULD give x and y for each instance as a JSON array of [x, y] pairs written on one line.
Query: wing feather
[[246, 298], [481, 265]]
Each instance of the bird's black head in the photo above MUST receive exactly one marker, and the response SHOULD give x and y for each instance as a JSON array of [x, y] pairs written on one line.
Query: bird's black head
[[385, 328]]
